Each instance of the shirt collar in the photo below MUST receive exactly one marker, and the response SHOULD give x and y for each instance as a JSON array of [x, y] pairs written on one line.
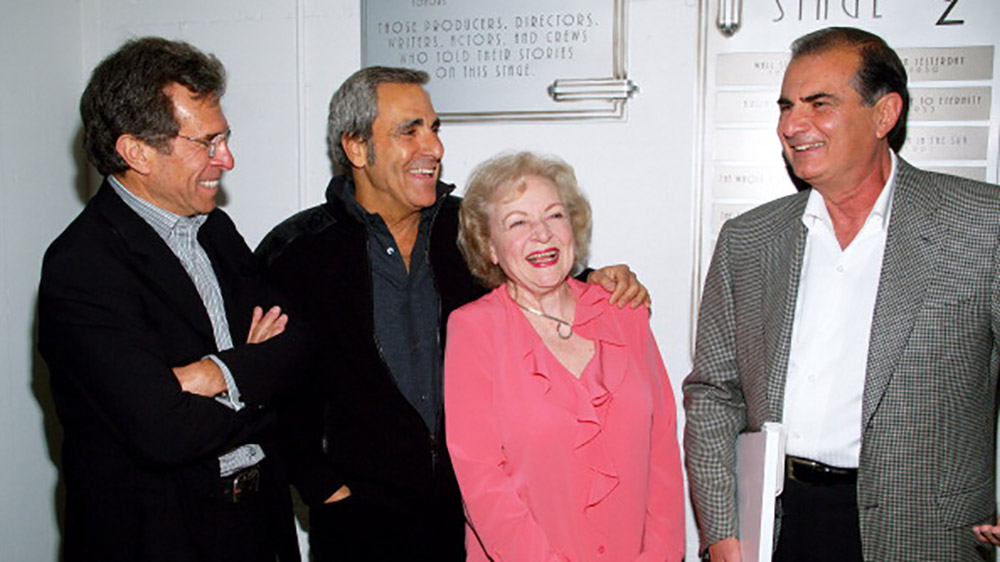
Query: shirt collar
[[816, 207], [344, 192], [164, 222]]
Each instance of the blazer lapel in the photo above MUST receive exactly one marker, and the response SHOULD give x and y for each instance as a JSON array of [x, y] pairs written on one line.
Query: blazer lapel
[[780, 269], [153, 260], [234, 269], [912, 247]]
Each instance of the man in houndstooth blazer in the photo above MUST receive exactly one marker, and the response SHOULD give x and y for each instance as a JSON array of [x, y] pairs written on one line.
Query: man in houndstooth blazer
[[922, 485]]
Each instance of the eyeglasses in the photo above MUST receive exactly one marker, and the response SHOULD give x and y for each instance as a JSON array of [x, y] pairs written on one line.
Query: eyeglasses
[[211, 144]]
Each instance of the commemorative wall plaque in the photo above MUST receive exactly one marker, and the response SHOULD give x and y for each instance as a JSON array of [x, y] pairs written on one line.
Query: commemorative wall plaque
[[506, 59]]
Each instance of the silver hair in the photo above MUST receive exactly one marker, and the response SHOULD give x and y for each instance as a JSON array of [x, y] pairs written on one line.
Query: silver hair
[[354, 106]]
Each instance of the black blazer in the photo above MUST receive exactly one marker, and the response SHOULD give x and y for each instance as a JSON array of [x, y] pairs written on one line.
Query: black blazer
[[116, 312]]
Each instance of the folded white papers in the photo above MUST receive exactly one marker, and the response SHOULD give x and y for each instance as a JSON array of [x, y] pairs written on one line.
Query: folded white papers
[[760, 464]]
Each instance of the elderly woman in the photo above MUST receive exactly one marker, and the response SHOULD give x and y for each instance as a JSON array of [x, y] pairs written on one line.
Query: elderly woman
[[559, 415]]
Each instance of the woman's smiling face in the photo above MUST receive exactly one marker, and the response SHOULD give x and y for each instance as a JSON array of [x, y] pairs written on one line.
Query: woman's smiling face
[[531, 237]]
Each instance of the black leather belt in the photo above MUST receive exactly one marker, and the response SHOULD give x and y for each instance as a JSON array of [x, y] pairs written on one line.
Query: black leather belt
[[238, 486], [817, 473]]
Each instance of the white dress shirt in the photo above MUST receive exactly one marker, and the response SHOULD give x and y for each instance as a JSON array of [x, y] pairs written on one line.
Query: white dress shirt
[[829, 349]]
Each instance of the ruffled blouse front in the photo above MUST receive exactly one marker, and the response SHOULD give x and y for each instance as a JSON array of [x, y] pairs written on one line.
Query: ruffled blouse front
[[553, 467]]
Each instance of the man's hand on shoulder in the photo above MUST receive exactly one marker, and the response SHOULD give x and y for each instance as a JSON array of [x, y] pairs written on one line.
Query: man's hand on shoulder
[[623, 285], [989, 534], [265, 326], [203, 378], [726, 550]]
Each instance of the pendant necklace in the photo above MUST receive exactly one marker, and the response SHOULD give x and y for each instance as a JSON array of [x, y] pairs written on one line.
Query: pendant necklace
[[560, 323]]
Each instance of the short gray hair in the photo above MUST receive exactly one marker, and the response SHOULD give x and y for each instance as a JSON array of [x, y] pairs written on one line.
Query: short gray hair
[[354, 106]]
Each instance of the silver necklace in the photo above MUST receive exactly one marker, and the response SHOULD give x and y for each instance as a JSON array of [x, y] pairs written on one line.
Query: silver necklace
[[560, 323]]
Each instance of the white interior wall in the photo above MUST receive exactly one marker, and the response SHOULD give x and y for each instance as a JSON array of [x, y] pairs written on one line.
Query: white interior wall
[[41, 189], [285, 58]]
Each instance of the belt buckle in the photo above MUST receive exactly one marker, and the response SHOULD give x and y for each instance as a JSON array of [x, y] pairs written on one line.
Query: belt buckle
[[238, 486], [790, 463]]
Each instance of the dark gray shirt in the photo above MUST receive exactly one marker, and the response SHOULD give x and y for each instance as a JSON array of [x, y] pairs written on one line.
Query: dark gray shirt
[[407, 309]]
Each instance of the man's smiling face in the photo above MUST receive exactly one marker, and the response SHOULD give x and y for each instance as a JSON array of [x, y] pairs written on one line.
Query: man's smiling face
[[403, 159], [827, 132]]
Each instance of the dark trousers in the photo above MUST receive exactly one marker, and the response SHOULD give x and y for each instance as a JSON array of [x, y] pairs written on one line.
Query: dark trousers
[[260, 527], [353, 530], [140, 525], [819, 524]]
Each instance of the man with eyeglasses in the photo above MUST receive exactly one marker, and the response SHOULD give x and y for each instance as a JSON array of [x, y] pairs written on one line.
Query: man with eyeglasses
[[164, 366]]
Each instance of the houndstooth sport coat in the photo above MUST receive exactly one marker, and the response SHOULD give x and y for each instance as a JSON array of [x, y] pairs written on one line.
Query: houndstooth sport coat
[[928, 443]]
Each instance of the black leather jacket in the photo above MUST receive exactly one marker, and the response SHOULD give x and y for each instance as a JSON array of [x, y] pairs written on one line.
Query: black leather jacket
[[353, 426]]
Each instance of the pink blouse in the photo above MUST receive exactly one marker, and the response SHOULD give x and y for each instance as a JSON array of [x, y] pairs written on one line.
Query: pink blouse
[[555, 468]]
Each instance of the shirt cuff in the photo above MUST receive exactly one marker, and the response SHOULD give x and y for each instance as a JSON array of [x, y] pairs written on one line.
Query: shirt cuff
[[230, 398], [240, 458]]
